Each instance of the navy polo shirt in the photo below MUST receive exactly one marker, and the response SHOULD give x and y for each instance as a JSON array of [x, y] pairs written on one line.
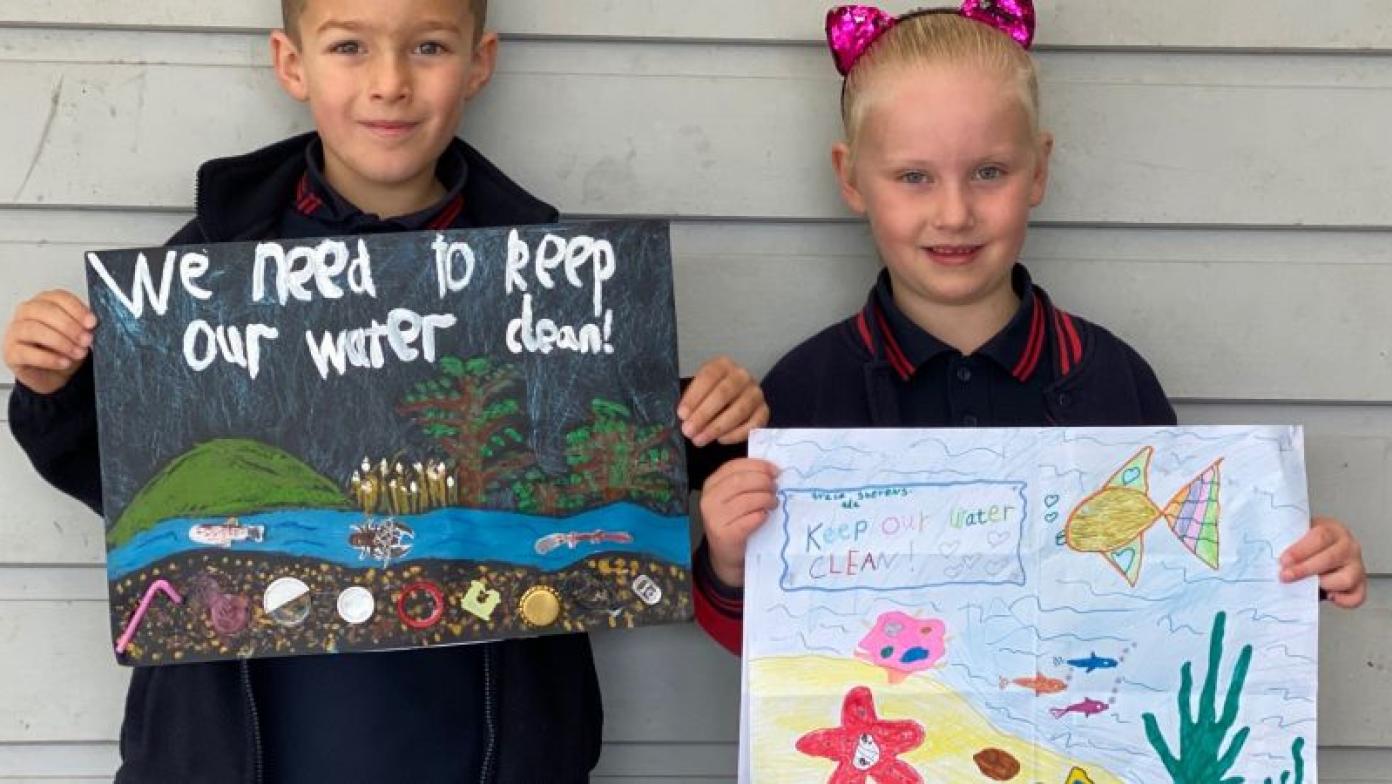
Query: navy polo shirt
[[361, 717], [1001, 384]]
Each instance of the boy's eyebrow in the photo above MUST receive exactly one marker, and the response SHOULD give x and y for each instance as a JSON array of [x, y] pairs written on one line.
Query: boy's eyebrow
[[428, 25]]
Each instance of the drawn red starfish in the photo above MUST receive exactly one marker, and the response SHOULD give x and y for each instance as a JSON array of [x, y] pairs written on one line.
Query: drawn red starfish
[[864, 746]]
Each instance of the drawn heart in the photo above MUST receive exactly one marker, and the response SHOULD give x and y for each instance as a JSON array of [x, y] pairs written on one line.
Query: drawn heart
[[1131, 476], [948, 549], [953, 572], [971, 561], [1124, 559], [1051, 501], [995, 567], [1051, 518], [997, 538]]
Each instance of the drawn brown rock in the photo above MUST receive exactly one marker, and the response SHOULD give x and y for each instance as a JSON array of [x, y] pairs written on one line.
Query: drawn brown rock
[[997, 764]]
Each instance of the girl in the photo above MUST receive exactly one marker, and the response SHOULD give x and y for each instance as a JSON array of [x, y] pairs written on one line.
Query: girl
[[945, 158]]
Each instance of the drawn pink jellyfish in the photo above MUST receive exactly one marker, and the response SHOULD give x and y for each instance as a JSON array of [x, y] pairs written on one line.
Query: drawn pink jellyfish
[[903, 644]]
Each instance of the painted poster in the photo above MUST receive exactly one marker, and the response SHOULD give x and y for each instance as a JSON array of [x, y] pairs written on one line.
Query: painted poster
[[1069, 606], [390, 441]]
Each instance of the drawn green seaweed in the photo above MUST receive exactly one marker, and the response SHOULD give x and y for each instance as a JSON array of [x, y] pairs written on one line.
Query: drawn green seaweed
[[1299, 759], [1201, 757]]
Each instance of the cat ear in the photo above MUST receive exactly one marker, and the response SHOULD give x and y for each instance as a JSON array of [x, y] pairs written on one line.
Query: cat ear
[[851, 29], [1015, 18]]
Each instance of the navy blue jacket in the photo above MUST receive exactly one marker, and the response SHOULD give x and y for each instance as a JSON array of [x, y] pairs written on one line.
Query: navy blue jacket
[[850, 375], [198, 723]]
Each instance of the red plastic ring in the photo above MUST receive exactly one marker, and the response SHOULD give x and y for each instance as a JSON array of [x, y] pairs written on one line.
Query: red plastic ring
[[424, 586]]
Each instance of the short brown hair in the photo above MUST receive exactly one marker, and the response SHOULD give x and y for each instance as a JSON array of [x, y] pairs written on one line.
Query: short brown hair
[[290, 11]]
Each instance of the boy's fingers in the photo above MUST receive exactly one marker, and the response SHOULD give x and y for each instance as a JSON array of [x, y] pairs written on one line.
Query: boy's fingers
[[27, 356], [74, 307], [43, 336], [731, 419], [706, 378], [760, 418], [51, 315], [726, 391]]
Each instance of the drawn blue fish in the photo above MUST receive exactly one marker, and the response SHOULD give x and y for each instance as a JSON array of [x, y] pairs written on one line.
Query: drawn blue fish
[[1093, 662]]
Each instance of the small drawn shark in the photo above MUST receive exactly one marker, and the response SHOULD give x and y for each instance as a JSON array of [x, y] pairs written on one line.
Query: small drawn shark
[[1092, 662], [1088, 707]]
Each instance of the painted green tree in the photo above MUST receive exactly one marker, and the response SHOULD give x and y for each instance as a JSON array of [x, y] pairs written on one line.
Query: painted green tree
[[1201, 756], [474, 414], [614, 459]]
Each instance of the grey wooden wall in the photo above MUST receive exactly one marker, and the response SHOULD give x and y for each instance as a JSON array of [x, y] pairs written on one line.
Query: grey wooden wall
[[1222, 198]]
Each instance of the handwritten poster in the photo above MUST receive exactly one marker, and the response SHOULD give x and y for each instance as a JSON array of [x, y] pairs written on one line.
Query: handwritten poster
[[393, 441], [1076, 606]]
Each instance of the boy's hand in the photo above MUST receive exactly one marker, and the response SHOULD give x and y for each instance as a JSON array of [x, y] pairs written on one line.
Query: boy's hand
[[1330, 551], [735, 501], [48, 340], [723, 403]]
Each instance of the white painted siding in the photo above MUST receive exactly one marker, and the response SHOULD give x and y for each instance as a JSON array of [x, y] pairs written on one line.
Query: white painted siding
[[1221, 199]]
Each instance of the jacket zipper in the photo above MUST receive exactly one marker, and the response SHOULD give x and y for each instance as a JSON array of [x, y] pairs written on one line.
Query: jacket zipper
[[255, 721], [490, 731]]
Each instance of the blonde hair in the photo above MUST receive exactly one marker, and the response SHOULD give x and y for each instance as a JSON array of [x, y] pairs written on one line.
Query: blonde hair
[[939, 37]]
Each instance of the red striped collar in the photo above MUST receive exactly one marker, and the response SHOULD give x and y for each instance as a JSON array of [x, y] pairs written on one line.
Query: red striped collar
[[309, 203], [1020, 347]]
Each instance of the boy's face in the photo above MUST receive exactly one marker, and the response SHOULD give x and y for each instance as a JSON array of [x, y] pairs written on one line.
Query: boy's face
[[386, 81], [946, 167]]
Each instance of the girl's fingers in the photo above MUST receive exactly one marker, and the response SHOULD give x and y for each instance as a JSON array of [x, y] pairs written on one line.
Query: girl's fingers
[[1352, 599], [747, 504], [1316, 539], [1326, 560], [744, 475], [1344, 579]]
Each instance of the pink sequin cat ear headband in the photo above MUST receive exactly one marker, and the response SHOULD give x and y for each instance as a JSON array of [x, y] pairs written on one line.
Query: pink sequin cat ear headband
[[851, 29]]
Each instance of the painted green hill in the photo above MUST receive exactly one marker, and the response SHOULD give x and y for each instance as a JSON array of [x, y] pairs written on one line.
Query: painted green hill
[[226, 477]]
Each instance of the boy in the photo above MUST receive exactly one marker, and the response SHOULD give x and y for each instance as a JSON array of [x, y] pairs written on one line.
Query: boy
[[386, 83]]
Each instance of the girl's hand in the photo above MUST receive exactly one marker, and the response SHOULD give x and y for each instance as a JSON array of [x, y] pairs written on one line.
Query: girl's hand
[[734, 503], [723, 403], [48, 339], [1330, 551]]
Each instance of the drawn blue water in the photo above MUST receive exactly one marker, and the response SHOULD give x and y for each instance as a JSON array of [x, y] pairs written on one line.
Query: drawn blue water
[[453, 534]]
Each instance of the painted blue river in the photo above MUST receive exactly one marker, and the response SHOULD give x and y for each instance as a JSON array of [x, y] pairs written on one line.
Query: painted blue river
[[453, 534]]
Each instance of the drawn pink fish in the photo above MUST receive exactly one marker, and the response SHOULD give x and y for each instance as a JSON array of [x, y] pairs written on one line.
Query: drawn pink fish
[[1088, 707], [903, 644]]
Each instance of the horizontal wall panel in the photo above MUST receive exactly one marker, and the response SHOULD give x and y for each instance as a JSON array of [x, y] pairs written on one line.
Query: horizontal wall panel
[[1285, 24], [1185, 298], [1141, 139], [659, 684]]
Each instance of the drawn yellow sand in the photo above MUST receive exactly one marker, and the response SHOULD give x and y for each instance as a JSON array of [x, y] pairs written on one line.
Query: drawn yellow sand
[[955, 731]]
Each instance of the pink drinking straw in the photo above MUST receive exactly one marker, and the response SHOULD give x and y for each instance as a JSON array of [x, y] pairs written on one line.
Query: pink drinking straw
[[134, 623]]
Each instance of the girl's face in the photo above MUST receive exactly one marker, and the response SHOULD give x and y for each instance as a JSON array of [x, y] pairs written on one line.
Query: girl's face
[[946, 167]]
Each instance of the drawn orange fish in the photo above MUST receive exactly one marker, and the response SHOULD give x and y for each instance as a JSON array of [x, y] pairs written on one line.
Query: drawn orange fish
[[1039, 684]]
